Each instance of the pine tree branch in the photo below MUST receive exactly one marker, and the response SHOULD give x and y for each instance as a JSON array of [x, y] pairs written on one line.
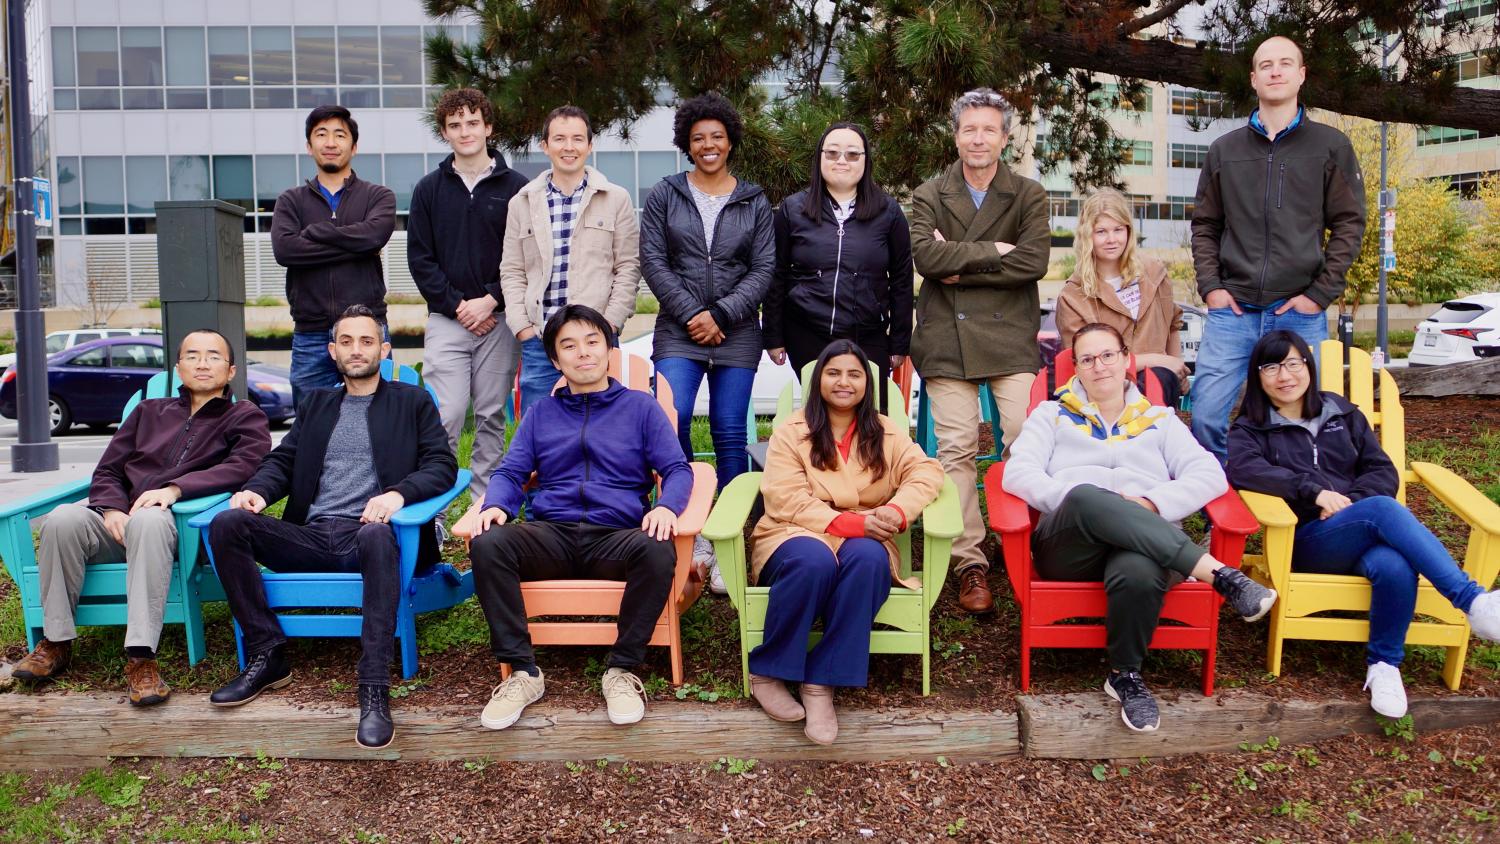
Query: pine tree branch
[[1168, 10]]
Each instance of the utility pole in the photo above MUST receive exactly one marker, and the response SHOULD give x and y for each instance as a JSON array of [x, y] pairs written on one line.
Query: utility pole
[[35, 451], [1387, 208]]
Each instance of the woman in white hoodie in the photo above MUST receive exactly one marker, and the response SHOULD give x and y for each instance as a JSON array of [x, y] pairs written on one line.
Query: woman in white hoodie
[[1112, 474]]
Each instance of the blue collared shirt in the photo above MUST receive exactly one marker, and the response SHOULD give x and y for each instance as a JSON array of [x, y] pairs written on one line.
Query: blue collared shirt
[[1259, 128], [333, 197]]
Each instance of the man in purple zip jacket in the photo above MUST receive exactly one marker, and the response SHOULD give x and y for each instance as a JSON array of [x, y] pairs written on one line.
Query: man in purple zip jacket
[[593, 446], [196, 444]]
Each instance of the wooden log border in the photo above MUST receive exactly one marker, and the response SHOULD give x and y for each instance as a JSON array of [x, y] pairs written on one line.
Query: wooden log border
[[39, 731]]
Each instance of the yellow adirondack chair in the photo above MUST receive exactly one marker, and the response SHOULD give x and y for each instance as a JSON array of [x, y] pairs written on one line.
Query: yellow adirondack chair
[[1304, 598]]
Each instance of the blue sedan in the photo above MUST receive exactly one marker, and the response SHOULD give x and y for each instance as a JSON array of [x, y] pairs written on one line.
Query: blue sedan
[[90, 383]]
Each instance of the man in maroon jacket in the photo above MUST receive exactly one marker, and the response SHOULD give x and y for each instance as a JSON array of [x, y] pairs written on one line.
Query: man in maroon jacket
[[197, 444]]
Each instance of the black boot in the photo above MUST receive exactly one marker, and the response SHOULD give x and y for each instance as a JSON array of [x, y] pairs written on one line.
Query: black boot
[[266, 670], [375, 726]]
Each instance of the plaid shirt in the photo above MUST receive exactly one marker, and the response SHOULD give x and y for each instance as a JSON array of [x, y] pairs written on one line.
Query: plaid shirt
[[563, 209]]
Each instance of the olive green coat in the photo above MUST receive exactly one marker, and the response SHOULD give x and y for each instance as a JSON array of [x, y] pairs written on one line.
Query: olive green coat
[[984, 325]]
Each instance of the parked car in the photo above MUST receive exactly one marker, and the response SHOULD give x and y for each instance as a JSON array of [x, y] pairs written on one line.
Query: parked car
[[1461, 330], [59, 340], [1190, 335], [89, 384]]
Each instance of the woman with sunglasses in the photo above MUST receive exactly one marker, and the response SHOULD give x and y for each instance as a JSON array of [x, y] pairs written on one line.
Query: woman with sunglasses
[[1317, 451], [843, 261], [1112, 475]]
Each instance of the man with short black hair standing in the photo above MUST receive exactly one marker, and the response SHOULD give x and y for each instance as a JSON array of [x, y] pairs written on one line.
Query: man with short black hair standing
[[453, 247], [328, 233]]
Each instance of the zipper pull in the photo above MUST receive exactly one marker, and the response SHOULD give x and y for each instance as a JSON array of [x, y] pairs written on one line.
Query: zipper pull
[[1315, 454]]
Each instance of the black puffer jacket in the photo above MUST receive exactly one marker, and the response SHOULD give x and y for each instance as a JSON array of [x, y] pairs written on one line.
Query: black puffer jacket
[[730, 283], [844, 278], [1285, 460]]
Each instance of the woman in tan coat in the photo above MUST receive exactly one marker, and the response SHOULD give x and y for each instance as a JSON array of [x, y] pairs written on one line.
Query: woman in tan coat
[[841, 480], [1131, 294]]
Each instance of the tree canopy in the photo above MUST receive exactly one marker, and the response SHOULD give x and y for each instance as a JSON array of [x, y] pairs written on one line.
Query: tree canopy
[[898, 65]]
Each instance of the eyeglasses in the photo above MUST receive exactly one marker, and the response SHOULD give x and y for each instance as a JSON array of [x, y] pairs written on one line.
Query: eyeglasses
[[1106, 358], [851, 155], [1296, 366], [193, 358]]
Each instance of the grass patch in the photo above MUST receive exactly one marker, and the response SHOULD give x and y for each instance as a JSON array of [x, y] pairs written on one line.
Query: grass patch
[[1399, 341], [645, 303]]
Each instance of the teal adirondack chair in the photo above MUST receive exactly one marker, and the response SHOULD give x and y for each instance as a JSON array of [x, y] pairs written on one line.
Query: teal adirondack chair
[[989, 412], [102, 602], [438, 587]]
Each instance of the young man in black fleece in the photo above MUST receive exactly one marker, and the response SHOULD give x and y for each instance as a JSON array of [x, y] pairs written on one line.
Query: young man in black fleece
[[454, 238], [328, 233]]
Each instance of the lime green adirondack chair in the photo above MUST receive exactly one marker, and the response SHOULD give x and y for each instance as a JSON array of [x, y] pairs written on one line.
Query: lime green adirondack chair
[[102, 603], [791, 398]]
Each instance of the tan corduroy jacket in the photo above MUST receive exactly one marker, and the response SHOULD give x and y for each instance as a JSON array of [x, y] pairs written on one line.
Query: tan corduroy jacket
[[1153, 332], [604, 261], [801, 500]]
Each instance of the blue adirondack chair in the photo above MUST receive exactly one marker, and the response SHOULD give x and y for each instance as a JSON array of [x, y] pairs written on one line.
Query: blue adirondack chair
[[927, 435], [102, 602], [438, 587]]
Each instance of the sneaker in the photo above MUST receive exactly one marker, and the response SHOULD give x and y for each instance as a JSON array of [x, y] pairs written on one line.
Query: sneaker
[[705, 560], [624, 696], [1484, 616], [510, 699], [48, 660], [1137, 706], [1387, 695], [1248, 598]]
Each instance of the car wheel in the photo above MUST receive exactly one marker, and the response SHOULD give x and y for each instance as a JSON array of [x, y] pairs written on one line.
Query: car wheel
[[59, 415]]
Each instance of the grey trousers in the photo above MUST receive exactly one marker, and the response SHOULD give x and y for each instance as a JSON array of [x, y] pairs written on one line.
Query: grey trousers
[[1097, 535], [461, 367], [73, 536]]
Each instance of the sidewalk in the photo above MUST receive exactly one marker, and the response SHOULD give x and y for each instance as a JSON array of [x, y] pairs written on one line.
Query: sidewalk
[[15, 486]]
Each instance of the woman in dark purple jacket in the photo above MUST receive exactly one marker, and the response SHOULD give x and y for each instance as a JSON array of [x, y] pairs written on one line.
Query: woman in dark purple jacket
[[1318, 452]]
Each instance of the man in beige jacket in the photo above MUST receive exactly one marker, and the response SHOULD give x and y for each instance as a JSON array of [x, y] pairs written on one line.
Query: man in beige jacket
[[570, 238]]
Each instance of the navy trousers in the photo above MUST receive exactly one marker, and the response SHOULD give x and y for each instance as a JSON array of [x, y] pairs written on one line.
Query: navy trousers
[[808, 582]]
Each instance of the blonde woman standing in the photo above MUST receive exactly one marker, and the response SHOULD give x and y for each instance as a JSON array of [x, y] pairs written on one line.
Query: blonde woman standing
[[1114, 285]]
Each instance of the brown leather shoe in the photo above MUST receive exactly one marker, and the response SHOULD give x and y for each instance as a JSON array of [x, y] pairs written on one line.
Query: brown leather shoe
[[144, 682], [974, 592], [48, 660]]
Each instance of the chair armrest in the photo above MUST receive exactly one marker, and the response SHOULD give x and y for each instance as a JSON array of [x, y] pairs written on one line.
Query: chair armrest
[[1269, 510], [1281, 528], [690, 523], [942, 522], [194, 506], [200, 519], [943, 518], [1480, 513], [423, 512], [1008, 513], [1232, 525], [727, 519], [43, 502]]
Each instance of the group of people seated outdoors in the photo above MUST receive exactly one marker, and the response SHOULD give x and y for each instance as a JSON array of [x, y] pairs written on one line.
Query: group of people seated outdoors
[[593, 480]]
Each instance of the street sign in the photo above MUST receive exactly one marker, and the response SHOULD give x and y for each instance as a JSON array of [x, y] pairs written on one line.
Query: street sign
[[41, 190], [1390, 221], [1388, 263]]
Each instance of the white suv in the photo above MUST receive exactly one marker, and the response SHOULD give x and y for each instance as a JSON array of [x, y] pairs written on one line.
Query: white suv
[[59, 340]]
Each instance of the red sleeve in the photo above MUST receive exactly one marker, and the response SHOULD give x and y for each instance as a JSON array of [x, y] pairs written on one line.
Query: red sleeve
[[847, 525], [905, 522]]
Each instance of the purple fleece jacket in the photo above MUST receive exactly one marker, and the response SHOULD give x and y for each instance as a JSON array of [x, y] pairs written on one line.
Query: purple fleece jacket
[[593, 455]]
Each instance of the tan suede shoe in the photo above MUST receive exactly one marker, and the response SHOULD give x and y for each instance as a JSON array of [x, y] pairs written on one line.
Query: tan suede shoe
[[822, 722], [144, 682], [773, 697], [48, 660]]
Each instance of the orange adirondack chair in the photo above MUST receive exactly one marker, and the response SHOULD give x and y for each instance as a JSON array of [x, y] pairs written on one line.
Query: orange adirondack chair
[[593, 598]]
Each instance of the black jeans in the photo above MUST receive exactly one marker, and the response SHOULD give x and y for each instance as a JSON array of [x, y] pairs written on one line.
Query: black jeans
[[504, 557], [804, 342], [240, 539], [1097, 535]]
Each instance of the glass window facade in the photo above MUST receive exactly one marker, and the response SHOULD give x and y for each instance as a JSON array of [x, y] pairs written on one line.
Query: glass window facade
[[1189, 156]]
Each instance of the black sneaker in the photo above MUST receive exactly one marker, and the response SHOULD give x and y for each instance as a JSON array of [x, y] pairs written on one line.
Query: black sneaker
[[375, 727], [1137, 706], [265, 670], [1248, 598]]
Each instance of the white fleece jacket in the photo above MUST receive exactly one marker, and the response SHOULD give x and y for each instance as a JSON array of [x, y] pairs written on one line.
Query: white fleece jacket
[[1155, 457]]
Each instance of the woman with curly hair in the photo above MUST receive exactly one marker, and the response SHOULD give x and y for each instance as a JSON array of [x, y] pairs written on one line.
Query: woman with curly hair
[[708, 255]]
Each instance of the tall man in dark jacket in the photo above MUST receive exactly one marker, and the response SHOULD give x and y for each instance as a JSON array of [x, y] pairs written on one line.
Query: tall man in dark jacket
[[454, 238], [199, 443], [980, 237], [1268, 192], [337, 515], [328, 233], [593, 446]]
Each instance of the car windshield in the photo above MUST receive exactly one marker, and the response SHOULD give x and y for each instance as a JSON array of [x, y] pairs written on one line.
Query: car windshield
[[1458, 312], [56, 342]]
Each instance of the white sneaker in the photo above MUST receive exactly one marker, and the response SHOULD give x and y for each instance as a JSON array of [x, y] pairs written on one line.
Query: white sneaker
[[1387, 695], [1484, 616], [624, 696], [705, 560], [510, 699]]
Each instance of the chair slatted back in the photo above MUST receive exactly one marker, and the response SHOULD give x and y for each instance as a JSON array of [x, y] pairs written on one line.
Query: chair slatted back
[[1357, 383]]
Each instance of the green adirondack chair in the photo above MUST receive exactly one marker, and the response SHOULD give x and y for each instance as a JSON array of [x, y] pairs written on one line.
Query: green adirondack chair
[[102, 602], [791, 398]]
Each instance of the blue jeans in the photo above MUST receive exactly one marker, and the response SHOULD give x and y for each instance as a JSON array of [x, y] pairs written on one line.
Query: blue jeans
[[538, 375], [1380, 540], [1224, 361], [728, 403], [312, 366], [807, 583]]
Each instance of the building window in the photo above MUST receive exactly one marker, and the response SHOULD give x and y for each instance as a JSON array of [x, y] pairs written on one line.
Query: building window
[[1471, 66], [1109, 95], [1189, 156], [145, 183], [141, 56], [1062, 204], [1138, 154], [1463, 10], [187, 176], [103, 184], [1467, 184], [98, 56], [1180, 207], [1205, 105], [1433, 135]]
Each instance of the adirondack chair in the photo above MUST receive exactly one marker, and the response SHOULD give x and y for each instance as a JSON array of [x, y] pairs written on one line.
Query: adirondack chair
[[435, 588], [1304, 598], [989, 412], [595, 598], [904, 619], [102, 602], [792, 398], [1045, 604]]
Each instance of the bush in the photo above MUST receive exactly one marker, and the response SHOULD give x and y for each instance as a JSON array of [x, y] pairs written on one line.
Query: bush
[[645, 303]]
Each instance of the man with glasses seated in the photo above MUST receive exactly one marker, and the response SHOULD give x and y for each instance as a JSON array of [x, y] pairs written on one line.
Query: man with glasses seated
[[197, 443]]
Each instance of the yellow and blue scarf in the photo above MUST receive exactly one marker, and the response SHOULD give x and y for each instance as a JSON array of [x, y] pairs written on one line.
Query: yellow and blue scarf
[[1075, 408]]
